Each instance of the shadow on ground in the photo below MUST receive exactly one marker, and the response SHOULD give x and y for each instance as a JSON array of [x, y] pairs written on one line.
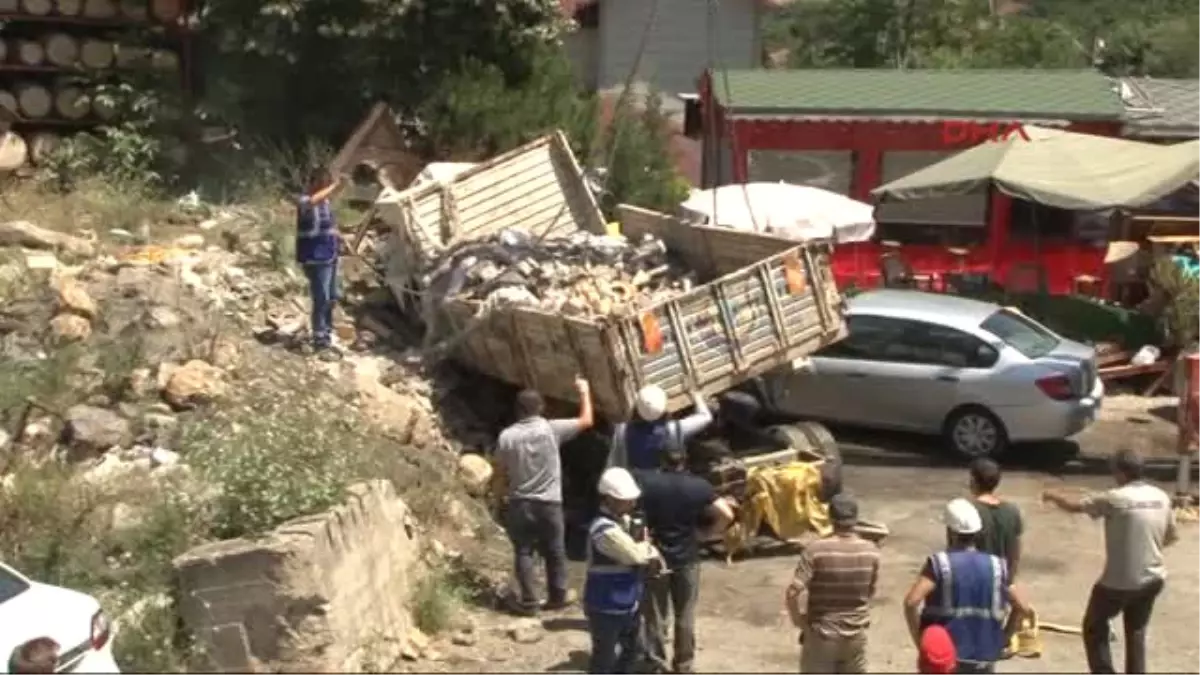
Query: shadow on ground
[[576, 662], [860, 447]]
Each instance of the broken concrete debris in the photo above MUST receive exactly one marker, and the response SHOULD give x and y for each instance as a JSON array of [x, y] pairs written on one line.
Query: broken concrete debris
[[582, 274]]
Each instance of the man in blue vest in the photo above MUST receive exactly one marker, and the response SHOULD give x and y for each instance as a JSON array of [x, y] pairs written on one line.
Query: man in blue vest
[[618, 559], [641, 442], [968, 592], [317, 244]]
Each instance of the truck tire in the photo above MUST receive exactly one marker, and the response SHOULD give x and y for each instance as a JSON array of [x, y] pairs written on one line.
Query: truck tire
[[823, 442], [790, 436], [814, 437]]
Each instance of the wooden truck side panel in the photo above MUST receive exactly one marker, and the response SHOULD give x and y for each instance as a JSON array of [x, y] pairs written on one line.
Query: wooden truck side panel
[[777, 304], [532, 348], [536, 188], [732, 329]]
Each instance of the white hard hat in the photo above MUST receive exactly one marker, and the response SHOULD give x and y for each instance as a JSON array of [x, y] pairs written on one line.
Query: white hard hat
[[962, 517], [651, 402], [619, 484]]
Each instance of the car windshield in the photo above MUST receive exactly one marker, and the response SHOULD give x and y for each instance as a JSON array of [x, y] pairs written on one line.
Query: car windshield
[[1018, 332], [10, 585]]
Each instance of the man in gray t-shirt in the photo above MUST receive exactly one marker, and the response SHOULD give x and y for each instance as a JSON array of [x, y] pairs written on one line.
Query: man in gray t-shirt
[[529, 471], [1139, 522]]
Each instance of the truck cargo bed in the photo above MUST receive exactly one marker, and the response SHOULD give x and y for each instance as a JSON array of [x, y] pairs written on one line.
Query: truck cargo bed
[[770, 302]]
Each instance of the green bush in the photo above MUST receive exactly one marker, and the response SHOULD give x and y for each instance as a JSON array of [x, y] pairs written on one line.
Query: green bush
[[437, 600]]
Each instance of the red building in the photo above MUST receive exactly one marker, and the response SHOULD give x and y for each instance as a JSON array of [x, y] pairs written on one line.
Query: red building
[[852, 130]]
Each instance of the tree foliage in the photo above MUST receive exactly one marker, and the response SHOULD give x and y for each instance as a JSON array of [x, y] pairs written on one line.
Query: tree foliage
[[640, 167], [1156, 38], [296, 68]]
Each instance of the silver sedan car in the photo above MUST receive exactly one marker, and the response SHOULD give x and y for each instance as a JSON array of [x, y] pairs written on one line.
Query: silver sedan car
[[980, 375]]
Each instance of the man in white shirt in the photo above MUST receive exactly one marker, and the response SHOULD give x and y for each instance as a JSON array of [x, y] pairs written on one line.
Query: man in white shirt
[[1139, 522]]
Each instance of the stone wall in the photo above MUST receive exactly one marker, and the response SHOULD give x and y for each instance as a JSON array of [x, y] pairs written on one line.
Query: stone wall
[[327, 593]]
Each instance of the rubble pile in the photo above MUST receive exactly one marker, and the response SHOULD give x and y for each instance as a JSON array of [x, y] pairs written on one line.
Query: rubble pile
[[583, 274]]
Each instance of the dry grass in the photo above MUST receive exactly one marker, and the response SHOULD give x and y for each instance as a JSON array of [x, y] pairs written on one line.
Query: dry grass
[[95, 205]]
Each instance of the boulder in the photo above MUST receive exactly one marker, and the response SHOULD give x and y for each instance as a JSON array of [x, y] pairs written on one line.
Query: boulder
[[141, 383], [70, 328], [190, 241], [475, 471], [526, 631], [194, 383], [25, 233], [161, 316], [73, 298], [91, 431], [225, 353]]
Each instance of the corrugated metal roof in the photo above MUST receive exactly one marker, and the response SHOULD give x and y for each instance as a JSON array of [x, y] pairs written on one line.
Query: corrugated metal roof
[[1022, 94], [1161, 108]]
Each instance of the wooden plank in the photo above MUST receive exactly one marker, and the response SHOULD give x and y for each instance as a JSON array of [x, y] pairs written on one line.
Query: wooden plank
[[537, 188], [1129, 370]]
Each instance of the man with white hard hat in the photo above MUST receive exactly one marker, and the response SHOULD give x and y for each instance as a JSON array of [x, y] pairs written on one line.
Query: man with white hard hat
[[957, 589], [641, 442], [618, 559]]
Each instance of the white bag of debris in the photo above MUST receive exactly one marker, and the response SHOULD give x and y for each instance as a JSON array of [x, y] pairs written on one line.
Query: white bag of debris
[[798, 212], [440, 172]]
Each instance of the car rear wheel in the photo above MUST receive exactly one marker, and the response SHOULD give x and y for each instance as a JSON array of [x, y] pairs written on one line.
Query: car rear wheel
[[973, 432]]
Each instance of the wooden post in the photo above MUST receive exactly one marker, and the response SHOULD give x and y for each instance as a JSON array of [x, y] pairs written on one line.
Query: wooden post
[[1188, 417]]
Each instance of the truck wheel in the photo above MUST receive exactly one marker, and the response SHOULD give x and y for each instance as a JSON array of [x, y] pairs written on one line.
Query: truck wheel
[[800, 436], [790, 436], [824, 444]]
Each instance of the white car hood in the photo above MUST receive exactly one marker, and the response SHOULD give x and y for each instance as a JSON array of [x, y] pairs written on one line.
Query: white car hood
[[60, 614]]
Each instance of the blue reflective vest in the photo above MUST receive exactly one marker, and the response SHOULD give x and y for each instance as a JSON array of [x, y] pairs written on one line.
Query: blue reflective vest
[[316, 232], [645, 442], [970, 598], [611, 587]]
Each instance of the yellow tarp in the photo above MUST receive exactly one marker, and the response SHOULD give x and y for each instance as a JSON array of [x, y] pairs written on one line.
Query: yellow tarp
[[784, 497]]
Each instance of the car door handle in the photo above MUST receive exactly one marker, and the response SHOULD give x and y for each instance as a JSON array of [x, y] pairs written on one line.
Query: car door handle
[[856, 375], [948, 378]]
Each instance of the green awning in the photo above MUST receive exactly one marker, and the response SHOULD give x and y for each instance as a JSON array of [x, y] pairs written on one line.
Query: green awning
[[1056, 168]]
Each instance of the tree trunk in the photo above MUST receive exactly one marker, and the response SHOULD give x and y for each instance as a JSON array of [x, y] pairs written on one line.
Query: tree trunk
[[8, 101], [71, 103], [69, 7], [34, 101], [96, 54], [62, 50], [166, 11], [30, 53], [129, 57], [13, 152], [37, 7], [135, 10], [100, 9]]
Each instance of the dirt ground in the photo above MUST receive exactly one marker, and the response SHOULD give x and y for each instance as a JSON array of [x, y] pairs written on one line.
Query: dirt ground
[[742, 626]]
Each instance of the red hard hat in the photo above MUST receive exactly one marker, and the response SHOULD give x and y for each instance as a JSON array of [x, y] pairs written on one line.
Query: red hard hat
[[937, 654]]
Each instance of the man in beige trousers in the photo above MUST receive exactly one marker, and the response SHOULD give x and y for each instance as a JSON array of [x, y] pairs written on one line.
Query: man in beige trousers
[[830, 597]]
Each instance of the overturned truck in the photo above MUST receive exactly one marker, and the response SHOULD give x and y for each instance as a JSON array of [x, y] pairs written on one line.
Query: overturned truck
[[514, 273], [510, 267]]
